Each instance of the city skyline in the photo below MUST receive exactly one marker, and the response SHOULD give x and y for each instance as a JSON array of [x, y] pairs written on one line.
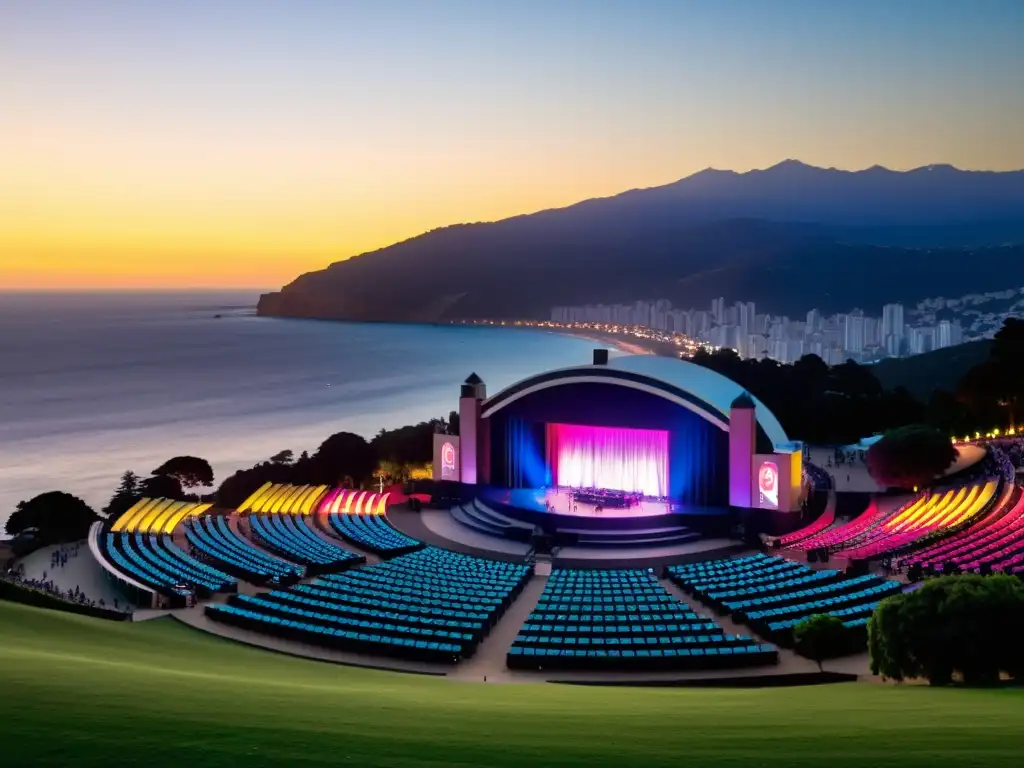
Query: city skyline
[[237, 145], [835, 338]]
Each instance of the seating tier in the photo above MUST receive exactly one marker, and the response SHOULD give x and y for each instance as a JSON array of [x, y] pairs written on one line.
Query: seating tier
[[624, 620], [772, 594], [292, 537], [156, 561], [373, 533], [430, 605], [211, 538]]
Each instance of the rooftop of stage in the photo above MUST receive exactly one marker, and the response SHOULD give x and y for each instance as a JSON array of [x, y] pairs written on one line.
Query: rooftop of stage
[[714, 390]]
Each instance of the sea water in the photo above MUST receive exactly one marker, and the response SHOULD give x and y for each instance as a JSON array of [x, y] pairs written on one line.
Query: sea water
[[94, 384]]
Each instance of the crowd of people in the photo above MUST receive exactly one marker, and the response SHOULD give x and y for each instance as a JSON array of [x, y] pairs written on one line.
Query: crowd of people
[[59, 558], [1012, 447]]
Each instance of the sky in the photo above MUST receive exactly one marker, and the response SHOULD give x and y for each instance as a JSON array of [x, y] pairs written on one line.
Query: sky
[[197, 143]]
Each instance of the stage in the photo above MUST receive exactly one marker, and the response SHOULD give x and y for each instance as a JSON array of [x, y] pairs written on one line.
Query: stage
[[566, 501], [440, 528]]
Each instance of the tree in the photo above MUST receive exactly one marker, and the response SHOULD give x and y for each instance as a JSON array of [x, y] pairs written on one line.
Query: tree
[[243, 483], [968, 625], [282, 457], [910, 457], [189, 471], [453, 423], [56, 516], [125, 495], [997, 385], [342, 455], [820, 637], [162, 487]]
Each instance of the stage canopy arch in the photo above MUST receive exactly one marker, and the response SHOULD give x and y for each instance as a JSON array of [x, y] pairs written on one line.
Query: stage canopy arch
[[669, 420]]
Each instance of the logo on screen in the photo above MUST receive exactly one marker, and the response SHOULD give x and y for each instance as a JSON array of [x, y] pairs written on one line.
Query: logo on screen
[[768, 483], [447, 461]]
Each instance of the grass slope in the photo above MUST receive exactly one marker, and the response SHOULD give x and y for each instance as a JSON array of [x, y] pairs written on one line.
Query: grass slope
[[80, 691]]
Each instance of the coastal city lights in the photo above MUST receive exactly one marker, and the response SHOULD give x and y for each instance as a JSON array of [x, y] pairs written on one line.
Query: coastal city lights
[[655, 340]]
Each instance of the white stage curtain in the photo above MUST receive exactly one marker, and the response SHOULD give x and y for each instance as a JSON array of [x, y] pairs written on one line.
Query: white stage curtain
[[632, 460]]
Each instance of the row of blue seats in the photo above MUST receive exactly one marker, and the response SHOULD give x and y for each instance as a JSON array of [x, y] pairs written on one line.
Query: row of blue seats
[[854, 616], [749, 576], [772, 595], [356, 611], [156, 562], [341, 639], [291, 537], [681, 614], [454, 601], [826, 604], [431, 617], [597, 628], [802, 580], [799, 593], [645, 659], [129, 568], [212, 538], [603, 610], [324, 615], [373, 533]]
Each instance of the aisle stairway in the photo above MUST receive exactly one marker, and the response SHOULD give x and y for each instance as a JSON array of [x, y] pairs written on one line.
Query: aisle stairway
[[489, 660]]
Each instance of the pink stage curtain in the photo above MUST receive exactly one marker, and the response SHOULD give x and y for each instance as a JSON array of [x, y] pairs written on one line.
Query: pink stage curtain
[[633, 460]]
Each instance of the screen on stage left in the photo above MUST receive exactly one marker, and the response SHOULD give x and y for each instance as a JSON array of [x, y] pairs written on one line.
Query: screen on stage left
[[612, 458], [446, 457]]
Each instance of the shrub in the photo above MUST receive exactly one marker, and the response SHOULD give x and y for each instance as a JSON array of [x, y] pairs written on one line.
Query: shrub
[[821, 637], [968, 625], [19, 593]]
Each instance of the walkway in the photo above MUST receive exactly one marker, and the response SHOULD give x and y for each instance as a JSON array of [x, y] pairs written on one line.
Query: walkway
[[488, 663], [81, 571]]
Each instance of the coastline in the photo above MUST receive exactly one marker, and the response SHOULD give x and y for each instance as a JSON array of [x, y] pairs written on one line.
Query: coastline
[[625, 343], [629, 345]]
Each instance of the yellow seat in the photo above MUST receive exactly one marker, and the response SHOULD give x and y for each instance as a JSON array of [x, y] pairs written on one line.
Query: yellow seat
[[158, 523], [312, 500], [276, 493], [122, 521], [254, 497]]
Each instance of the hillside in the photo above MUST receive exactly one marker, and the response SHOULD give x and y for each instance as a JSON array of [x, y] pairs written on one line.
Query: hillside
[[941, 369], [774, 236], [85, 692]]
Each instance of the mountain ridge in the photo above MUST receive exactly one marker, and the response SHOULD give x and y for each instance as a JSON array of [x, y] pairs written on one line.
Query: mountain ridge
[[789, 219]]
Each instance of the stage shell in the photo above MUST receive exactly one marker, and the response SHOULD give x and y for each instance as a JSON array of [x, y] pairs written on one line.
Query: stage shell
[[692, 403]]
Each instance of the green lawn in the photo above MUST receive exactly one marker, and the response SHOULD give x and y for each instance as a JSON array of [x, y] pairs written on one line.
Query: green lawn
[[82, 692]]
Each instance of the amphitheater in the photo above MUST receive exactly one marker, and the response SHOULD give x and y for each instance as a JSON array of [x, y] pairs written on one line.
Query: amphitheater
[[501, 582]]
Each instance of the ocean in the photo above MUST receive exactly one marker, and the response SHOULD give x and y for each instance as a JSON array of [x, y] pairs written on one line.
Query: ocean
[[93, 384]]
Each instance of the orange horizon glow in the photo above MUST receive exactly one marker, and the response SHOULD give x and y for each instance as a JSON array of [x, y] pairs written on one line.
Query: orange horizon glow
[[242, 143]]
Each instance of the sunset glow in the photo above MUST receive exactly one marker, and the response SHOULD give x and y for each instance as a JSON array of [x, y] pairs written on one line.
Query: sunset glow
[[204, 144]]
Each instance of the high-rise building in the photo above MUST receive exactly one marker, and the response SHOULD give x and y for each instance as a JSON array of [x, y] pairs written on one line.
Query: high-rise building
[[853, 341], [892, 329], [642, 313], [746, 315], [813, 321], [944, 335], [718, 310]]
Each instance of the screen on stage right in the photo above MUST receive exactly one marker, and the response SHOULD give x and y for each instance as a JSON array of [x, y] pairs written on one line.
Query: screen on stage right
[[613, 458]]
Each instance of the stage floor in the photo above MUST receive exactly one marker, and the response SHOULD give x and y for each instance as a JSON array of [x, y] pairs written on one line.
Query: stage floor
[[561, 502], [438, 528]]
